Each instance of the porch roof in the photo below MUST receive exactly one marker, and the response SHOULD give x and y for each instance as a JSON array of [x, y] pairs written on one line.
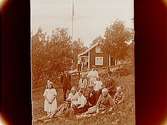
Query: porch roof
[[86, 51]]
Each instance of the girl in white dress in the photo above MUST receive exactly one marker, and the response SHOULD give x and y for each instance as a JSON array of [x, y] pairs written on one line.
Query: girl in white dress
[[50, 103]]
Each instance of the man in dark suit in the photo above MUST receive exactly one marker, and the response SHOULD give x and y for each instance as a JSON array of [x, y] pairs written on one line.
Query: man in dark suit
[[66, 83]]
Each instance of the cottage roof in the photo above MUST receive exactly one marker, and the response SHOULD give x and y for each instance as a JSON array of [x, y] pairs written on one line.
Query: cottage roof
[[86, 51]]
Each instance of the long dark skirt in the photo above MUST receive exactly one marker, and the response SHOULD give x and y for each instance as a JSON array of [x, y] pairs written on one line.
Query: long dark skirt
[[80, 110]]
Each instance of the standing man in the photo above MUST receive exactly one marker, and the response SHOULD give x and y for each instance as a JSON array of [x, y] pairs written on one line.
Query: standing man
[[109, 72], [66, 83], [79, 67]]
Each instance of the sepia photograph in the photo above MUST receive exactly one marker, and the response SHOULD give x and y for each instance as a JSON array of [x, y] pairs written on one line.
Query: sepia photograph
[[82, 62]]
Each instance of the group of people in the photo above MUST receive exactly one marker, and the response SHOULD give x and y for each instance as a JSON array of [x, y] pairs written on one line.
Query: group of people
[[90, 96]]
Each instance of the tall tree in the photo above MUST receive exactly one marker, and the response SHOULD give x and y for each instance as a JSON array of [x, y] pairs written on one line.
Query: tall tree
[[97, 40], [60, 50], [50, 55], [38, 58], [115, 38]]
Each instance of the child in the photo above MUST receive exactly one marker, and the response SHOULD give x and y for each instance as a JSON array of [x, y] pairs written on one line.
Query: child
[[83, 82], [50, 103], [119, 96]]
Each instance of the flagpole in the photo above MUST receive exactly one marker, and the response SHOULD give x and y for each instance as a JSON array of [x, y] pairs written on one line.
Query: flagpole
[[72, 18]]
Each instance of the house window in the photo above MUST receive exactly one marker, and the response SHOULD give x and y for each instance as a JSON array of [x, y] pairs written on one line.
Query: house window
[[99, 61], [98, 49]]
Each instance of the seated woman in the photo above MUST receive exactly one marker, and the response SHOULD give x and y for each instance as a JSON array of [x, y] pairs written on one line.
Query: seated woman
[[79, 106], [64, 108], [104, 103], [92, 96], [72, 95]]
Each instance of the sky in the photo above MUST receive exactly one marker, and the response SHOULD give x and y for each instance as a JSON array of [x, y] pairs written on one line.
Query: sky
[[91, 17]]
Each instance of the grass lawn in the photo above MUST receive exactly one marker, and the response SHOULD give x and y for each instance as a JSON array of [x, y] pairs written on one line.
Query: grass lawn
[[124, 114]]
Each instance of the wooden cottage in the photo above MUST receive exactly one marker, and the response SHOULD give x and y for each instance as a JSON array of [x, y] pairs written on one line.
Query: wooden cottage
[[94, 56]]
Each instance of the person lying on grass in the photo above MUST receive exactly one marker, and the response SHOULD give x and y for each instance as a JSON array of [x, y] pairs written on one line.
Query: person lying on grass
[[104, 103], [63, 109]]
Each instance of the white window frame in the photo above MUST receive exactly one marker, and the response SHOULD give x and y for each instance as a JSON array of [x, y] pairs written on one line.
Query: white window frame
[[99, 61]]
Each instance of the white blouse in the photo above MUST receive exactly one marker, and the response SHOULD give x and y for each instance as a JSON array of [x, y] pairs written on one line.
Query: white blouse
[[81, 100], [98, 85]]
